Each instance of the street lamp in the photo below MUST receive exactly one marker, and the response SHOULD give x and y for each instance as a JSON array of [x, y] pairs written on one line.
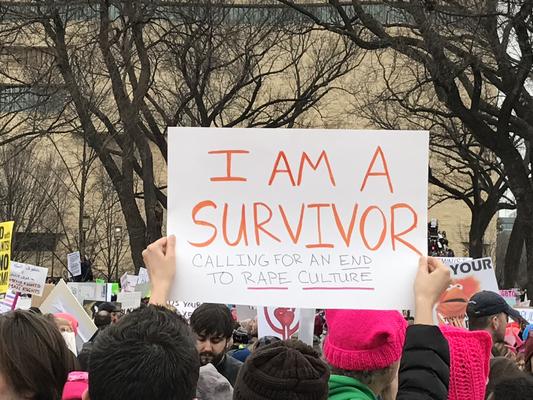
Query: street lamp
[[85, 225], [117, 234]]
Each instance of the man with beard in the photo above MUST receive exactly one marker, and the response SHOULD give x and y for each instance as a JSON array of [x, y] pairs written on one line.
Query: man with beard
[[213, 327], [488, 311]]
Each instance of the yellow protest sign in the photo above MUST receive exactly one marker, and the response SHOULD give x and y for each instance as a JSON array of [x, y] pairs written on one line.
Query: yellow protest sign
[[6, 234]]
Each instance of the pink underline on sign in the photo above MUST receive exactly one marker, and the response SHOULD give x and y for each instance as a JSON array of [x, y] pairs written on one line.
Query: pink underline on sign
[[338, 288], [268, 288]]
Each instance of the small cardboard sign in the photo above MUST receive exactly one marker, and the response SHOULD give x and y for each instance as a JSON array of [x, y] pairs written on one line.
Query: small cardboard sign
[[6, 235], [511, 296], [129, 300], [36, 301], [62, 300], [144, 277], [291, 218], [285, 323], [246, 312], [527, 313], [468, 278], [74, 263], [27, 278], [144, 288], [87, 291], [128, 282], [9, 302]]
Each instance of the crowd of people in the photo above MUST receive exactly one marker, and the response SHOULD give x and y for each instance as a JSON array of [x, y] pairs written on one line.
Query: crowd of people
[[154, 353]]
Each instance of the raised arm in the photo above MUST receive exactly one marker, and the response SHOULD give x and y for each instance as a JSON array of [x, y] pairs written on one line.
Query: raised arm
[[160, 260]]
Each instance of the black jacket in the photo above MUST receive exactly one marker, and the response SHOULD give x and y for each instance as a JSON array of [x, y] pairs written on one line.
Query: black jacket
[[229, 368], [425, 366]]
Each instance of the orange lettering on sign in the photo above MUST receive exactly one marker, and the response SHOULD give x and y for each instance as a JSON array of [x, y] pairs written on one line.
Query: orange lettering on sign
[[385, 172], [398, 236], [195, 211], [305, 159], [228, 177]]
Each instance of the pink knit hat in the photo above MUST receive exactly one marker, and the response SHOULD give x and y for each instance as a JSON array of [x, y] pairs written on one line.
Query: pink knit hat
[[469, 362], [77, 383], [70, 318], [364, 340]]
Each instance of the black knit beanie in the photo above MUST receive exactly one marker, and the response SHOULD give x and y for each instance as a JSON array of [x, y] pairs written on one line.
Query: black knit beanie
[[283, 370]]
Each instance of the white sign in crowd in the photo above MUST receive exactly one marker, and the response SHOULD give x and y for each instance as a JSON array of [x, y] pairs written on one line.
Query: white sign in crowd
[[300, 218], [74, 263], [26, 278]]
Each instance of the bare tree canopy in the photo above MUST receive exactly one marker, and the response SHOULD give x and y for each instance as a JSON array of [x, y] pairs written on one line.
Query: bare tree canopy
[[477, 59], [121, 72]]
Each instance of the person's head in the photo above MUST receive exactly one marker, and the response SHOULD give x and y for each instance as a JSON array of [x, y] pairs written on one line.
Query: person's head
[[64, 325], [488, 311], [518, 388], [501, 369], [213, 326], [250, 325], [35, 310], [283, 370], [66, 322], [113, 309], [148, 354], [265, 341], [528, 355], [68, 326], [366, 345], [102, 319], [34, 359]]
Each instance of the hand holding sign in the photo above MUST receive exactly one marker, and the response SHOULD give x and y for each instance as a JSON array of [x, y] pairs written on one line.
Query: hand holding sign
[[160, 259], [432, 279]]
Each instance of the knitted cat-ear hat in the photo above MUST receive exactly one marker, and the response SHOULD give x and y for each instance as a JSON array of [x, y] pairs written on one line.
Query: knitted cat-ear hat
[[469, 362], [364, 340]]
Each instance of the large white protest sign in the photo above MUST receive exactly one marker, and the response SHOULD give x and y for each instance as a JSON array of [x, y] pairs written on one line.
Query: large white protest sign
[[26, 278], [302, 218], [468, 278], [61, 300], [74, 263]]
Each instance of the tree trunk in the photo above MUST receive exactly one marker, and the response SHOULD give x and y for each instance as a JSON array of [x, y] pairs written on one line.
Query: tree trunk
[[529, 254], [482, 214], [513, 253], [475, 242]]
